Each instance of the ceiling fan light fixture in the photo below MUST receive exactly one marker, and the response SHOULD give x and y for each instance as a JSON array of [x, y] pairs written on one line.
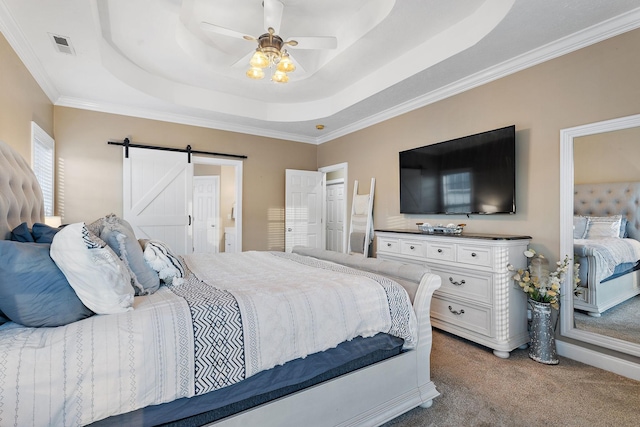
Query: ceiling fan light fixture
[[255, 73], [259, 60], [280, 77]]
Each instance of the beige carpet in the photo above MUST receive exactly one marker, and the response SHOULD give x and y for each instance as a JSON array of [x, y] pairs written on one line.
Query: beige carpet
[[478, 389], [621, 321]]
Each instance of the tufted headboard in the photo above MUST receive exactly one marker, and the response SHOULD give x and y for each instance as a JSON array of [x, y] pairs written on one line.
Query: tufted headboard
[[20, 194], [618, 198]]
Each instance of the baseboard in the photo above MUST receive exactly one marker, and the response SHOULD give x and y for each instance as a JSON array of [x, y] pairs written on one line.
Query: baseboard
[[599, 360]]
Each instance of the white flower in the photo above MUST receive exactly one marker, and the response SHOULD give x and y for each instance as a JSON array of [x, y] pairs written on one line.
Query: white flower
[[530, 253]]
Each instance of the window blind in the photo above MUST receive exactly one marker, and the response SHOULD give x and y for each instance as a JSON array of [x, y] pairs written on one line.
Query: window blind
[[42, 162]]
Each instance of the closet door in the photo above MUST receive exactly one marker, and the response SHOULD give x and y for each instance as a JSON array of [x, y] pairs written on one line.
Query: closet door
[[157, 196]]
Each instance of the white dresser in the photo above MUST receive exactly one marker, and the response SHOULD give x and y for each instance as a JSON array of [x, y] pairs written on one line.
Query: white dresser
[[478, 299]]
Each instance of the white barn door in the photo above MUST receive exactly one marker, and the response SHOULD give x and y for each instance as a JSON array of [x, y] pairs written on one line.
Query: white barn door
[[304, 197], [158, 196]]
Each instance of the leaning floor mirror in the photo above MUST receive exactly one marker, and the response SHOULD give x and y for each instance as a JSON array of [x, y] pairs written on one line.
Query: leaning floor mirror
[[600, 224]]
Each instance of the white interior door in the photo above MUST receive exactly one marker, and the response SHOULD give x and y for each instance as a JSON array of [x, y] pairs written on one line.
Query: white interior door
[[335, 217], [206, 214], [157, 196], [304, 197]]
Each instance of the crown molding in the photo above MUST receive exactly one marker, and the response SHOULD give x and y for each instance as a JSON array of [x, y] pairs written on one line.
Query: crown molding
[[581, 39], [21, 46], [123, 110]]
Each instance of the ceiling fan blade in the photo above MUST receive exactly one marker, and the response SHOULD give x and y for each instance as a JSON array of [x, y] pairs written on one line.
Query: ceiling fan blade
[[273, 14], [206, 26], [299, 68], [315, 43]]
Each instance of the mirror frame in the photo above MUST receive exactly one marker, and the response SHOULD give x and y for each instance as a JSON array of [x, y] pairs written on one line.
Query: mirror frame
[[567, 328]]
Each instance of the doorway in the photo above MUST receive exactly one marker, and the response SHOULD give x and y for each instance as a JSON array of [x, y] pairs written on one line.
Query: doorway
[[306, 208], [335, 210], [224, 221]]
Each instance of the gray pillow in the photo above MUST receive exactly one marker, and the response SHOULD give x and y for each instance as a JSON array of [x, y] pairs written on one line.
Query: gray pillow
[[33, 291], [580, 224], [119, 235]]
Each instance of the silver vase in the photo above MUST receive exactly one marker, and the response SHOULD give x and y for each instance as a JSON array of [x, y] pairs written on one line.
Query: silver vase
[[543, 343]]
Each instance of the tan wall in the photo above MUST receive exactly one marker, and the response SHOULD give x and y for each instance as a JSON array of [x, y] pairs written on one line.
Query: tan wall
[[90, 181], [21, 102], [596, 83], [607, 157]]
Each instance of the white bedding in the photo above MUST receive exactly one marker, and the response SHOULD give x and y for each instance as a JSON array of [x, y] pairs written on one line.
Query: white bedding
[[164, 349], [100, 366]]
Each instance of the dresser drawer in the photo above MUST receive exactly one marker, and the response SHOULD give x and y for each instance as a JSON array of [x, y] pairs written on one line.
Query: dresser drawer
[[388, 245], [464, 283], [408, 247], [467, 316], [474, 255], [440, 251]]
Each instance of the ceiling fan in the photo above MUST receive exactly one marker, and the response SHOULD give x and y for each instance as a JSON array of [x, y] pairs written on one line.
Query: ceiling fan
[[271, 50]]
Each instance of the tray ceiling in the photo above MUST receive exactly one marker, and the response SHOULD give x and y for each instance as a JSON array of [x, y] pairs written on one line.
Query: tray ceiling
[[153, 59]]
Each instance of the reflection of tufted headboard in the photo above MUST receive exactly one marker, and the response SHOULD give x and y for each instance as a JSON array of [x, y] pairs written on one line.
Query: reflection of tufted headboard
[[618, 198], [20, 195]]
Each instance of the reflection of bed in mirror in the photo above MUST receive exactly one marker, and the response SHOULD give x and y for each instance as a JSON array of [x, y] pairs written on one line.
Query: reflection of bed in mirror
[[606, 244]]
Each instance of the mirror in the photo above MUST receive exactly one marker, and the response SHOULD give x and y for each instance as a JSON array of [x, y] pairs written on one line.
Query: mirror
[[573, 163]]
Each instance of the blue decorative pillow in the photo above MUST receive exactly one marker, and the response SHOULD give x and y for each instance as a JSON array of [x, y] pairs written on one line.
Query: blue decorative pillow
[[22, 233], [42, 233], [33, 291], [119, 235]]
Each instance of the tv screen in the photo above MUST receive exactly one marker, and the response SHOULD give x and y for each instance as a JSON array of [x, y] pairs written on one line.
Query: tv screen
[[470, 175]]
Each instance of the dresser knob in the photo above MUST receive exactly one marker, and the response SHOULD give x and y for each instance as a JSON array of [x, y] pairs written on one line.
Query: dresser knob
[[473, 254], [412, 247], [457, 313], [439, 251], [388, 244], [460, 283]]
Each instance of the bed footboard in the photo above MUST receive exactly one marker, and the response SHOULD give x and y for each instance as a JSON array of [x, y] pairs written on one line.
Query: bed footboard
[[368, 396], [597, 297]]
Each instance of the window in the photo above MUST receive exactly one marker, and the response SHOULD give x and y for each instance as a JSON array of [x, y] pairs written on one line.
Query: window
[[456, 189], [42, 161]]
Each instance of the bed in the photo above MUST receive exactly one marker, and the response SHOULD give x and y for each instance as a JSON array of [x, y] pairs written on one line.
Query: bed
[[606, 244], [151, 359]]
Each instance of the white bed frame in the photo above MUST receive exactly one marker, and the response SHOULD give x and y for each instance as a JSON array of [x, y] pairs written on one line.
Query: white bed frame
[[621, 198], [366, 397]]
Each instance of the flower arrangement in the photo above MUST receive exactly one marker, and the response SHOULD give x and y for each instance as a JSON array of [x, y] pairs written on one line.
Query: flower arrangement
[[539, 283]]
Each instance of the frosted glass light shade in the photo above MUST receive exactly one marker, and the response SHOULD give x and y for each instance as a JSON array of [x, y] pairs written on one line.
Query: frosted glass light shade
[[280, 77], [259, 60], [255, 73], [286, 65]]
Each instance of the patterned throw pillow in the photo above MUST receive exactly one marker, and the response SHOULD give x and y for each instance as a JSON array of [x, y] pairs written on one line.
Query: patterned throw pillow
[[94, 271], [160, 257]]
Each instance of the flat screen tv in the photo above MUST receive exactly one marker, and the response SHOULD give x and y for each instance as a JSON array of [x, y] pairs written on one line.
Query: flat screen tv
[[474, 174]]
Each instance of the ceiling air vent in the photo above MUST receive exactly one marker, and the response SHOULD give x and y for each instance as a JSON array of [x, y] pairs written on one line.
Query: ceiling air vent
[[62, 44]]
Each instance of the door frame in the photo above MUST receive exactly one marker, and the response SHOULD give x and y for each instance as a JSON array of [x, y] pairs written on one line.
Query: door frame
[[238, 178], [332, 168]]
